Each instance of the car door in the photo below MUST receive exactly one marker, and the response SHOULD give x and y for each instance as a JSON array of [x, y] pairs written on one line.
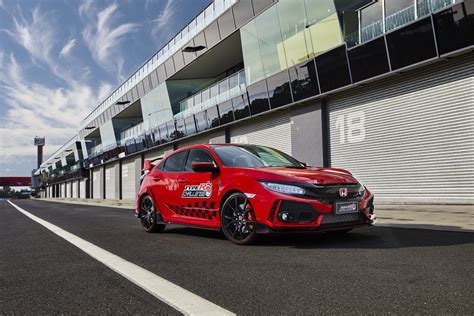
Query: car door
[[198, 190], [165, 184]]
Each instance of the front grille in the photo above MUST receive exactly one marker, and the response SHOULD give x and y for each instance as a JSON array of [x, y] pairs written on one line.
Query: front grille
[[330, 193], [297, 211], [341, 218]]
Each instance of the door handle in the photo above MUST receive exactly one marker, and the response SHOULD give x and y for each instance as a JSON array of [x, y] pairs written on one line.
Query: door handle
[[156, 179], [182, 180]]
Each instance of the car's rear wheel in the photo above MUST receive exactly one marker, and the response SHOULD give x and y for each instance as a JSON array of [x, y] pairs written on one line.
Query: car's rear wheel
[[238, 220], [148, 216]]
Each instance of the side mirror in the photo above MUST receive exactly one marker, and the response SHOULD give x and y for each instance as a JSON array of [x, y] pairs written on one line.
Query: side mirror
[[304, 164], [204, 167], [147, 165]]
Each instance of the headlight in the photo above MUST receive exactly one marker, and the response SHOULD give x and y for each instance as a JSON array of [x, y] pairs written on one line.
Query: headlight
[[361, 189], [283, 188]]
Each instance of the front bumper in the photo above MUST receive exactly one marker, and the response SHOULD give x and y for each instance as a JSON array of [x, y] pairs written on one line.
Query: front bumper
[[329, 222]]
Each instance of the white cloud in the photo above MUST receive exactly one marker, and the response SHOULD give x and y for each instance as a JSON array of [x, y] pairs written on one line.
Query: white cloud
[[101, 37], [38, 36], [162, 21], [67, 48], [34, 109]]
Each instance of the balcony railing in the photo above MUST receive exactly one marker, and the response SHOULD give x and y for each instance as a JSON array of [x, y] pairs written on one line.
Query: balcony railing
[[131, 132], [223, 90], [205, 18], [420, 8]]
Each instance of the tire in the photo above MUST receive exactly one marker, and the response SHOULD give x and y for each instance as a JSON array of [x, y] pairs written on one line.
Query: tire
[[148, 216], [238, 221]]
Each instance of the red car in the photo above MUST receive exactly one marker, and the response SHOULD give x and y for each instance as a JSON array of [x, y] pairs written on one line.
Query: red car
[[245, 190]]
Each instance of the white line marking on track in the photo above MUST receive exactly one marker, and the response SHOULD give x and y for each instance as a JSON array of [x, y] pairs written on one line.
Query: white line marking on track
[[181, 299]]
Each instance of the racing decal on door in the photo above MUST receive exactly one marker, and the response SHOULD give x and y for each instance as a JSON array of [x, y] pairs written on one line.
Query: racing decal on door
[[198, 210], [202, 190]]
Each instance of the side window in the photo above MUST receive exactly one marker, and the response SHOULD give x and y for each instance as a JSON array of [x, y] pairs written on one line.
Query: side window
[[197, 155], [175, 163]]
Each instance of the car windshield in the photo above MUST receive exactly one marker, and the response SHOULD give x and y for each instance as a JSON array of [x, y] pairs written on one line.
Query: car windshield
[[247, 156]]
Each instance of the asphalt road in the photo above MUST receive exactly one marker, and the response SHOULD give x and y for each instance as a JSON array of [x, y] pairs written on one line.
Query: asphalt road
[[370, 270]]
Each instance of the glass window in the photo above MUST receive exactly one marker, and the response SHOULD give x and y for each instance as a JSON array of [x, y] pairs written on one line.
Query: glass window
[[169, 66], [258, 97], [223, 91], [398, 13], [241, 107], [371, 24], [197, 99], [368, 60], [212, 34], [180, 128], [243, 11], [214, 93], [171, 127], [270, 42], [226, 24], [332, 69], [251, 156], [201, 121], [190, 125], [454, 28], [212, 117], [197, 155], [163, 132], [296, 37], [411, 44], [323, 25], [176, 162], [226, 112], [304, 81], [279, 89], [251, 53]]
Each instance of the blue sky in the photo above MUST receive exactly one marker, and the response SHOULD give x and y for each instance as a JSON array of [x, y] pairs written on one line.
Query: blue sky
[[60, 58]]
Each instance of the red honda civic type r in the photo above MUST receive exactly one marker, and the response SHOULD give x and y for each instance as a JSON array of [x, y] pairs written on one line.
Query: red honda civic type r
[[245, 190]]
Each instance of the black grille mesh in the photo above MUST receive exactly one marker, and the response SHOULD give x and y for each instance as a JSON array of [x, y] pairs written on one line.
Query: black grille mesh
[[341, 218]]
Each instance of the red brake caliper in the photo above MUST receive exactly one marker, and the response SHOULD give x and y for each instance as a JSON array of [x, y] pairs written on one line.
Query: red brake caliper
[[249, 215]]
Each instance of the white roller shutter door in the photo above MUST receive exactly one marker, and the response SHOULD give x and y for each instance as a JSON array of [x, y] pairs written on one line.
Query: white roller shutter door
[[68, 189], [410, 138], [112, 181], [131, 171], [272, 130], [74, 189], [82, 189], [97, 184], [63, 190]]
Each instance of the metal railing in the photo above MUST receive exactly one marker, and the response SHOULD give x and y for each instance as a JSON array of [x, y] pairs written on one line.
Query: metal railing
[[205, 18], [419, 9], [219, 92]]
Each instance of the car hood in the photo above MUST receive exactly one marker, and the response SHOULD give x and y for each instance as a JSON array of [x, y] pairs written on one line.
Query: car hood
[[314, 175]]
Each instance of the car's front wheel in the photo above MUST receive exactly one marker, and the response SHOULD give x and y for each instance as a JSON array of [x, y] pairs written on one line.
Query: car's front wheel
[[238, 220], [148, 216]]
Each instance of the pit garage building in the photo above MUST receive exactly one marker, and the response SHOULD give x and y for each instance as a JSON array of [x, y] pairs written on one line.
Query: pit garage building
[[382, 88]]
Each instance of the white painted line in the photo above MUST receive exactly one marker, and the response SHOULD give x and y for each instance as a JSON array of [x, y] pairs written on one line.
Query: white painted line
[[181, 299]]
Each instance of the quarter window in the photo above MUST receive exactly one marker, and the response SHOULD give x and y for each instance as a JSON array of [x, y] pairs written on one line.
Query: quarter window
[[176, 162]]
